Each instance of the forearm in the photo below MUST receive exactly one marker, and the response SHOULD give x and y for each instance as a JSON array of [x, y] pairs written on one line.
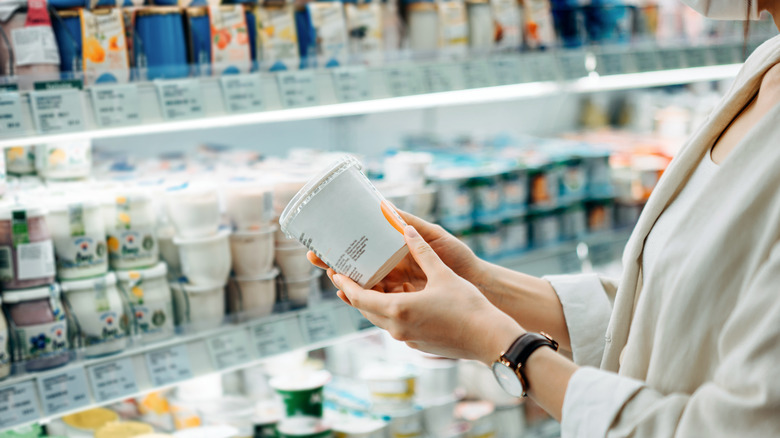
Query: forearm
[[531, 301]]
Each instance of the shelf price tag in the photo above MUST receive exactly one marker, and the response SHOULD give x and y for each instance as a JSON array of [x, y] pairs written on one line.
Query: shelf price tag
[[696, 56], [646, 60], [572, 64], [10, 111], [116, 105], [612, 63], [318, 325], [440, 77], [506, 70], [672, 59], [351, 83], [229, 349], [476, 74], [57, 107], [63, 391], [18, 404], [274, 337], [180, 100], [403, 80], [169, 365], [112, 380], [297, 88], [725, 54], [540, 67], [242, 93]]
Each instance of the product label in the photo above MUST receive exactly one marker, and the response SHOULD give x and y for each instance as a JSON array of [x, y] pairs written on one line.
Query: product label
[[132, 247], [351, 83], [181, 99], [403, 80], [697, 56], [20, 159], [57, 111], [63, 391], [35, 45], [612, 63], [104, 48], [572, 64], [297, 88], [318, 326], [18, 404], [672, 59], [42, 340], [508, 23], [540, 31], [112, 380], [169, 365], [116, 105], [725, 54], [35, 260], [506, 70], [476, 74], [79, 253], [540, 67], [271, 338], [230, 349], [440, 77], [229, 40], [331, 32], [453, 29], [68, 157], [153, 317], [365, 31], [277, 37], [242, 93], [10, 113], [646, 60]]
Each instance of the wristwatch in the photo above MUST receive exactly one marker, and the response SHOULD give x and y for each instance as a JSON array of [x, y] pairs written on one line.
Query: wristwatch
[[509, 369]]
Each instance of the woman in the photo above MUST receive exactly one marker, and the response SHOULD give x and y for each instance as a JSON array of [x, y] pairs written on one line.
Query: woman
[[687, 345]]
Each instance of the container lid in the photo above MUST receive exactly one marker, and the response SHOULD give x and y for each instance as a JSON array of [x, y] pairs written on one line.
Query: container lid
[[301, 426], [313, 187], [197, 288], [221, 234], [31, 210], [358, 426], [33, 293], [88, 283], [299, 382], [267, 230], [157, 271], [267, 276]]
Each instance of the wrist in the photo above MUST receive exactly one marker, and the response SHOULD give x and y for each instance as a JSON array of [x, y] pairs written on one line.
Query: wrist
[[499, 337]]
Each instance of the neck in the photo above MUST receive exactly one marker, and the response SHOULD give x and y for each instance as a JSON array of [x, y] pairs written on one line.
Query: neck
[[773, 7]]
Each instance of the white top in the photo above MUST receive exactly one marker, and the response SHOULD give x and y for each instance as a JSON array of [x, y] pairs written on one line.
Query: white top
[[675, 213]]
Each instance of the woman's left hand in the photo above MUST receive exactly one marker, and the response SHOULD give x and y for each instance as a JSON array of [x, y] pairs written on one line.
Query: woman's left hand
[[449, 316]]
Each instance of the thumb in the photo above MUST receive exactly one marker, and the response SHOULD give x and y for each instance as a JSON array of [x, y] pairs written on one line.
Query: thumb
[[423, 254]]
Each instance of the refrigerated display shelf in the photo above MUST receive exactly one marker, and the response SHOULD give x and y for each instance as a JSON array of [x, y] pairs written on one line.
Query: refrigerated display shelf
[[42, 396], [64, 111]]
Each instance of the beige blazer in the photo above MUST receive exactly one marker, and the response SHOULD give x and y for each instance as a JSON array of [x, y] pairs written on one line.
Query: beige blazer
[[694, 350]]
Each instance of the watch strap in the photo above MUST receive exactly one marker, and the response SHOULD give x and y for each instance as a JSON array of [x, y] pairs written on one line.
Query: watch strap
[[520, 350]]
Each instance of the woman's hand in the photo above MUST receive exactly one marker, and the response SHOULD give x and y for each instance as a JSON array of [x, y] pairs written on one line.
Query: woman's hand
[[454, 253], [445, 315]]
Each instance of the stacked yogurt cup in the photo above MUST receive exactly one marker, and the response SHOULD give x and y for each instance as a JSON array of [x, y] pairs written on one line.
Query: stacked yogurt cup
[[201, 256], [249, 210]]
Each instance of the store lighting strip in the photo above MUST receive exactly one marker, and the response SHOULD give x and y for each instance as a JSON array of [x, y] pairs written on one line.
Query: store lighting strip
[[594, 83]]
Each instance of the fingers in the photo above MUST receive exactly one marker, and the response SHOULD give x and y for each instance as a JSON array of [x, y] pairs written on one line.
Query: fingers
[[314, 260], [362, 299], [416, 222], [423, 254]]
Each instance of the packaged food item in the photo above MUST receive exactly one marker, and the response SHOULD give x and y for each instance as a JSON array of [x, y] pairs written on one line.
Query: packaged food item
[[20, 160], [67, 30], [199, 307], [508, 22], [481, 25], [26, 248], [293, 262], [5, 353], [363, 238], [29, 41], [392, 386], [322, 33], [407, 423], [123, 429], [299, 290], [423, 27], [65, 160], [199, 39], [78, 230], [453, 29], [544, 188], [87, 422], [205, 261], [233, 411], [609, 22], [600, 214], [39, 328], [454, 203], [277, 38], [150, 300], [249, 204], [573, 221], [515, 235], [364, 24], [252, 252], [95, 306], [253, 297], [130, 220], [479, 415], [159, 43], [514, 190], [359, 427], [568, 17], [104, 49], [229, 40], [488, 199], [545, 229], [489, 241], [193, 209], [302, 392], [539, 28]]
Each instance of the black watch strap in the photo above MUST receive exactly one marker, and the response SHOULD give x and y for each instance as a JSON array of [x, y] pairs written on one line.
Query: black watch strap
[[520, 350]]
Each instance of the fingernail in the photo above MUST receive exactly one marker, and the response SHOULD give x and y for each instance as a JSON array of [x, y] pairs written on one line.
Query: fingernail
[[336, 279], [410, 231]]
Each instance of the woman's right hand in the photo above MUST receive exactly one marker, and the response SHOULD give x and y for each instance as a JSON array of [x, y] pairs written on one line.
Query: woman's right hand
[[454, 253]]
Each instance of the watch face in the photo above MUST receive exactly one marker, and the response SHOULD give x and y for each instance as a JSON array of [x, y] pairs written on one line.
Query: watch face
[[508, 379]]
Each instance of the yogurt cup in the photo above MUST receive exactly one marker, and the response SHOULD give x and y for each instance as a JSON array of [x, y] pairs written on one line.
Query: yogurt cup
[[293, 262], [23, 228], [95, 306], [438, 415], [231, 411], [356, 427], [199, 307], [253, 296], [299, 291], [193, 209], [391, 386], [64, 160], [302, 395], [252, 252], [85, 423], [20, 160], [208, 432], [407, 423], [407, 168], [479, 415], [78, 230], [123, 429], [150, 300], [303, 427], [205, 260], [130, 220], [249, 204], [169, 252], [437, 378], [341, 216]]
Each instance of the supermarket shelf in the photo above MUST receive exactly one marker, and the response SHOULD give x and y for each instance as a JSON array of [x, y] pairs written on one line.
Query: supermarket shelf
[[206, 103], [40, 397]]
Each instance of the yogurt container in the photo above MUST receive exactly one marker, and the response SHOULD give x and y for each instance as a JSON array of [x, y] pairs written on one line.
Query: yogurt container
[[123, 429], [342, 218], [199, 307], [85, 423], [408, 168], [299, 291], [303, 427], [208, 432], [5, 353], [39, 327], [302, 394], [96, 309], [205, 261], [479, 415], [231, 411], [293, 262], [78, 230], [391, 386], [150, 300], [20, 160], [65, 160], [26, 248], [130, 220], [252, 252], [193, 209], [253, 296], [407, 424], [249, 204], [357, 427]]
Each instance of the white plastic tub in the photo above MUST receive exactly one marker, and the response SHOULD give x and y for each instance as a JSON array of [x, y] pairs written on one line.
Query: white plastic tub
[[199, 307], [130, 221], [64, 160], [252, 252], [205, 261], [253, 296], [392, 386], [293, 262], [193, 209], [341, 216], [249, 204], [78, 230], [299, 291], [150, 300]]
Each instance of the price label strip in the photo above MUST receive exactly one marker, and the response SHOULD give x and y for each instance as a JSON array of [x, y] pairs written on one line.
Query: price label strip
[[169, 365], [112, 380], [18, 404], [10, 112], [540, 67], [57, 111], [242, 93], [271, 338], [351, 83], [116, 105], [319, 325], [440, 77], [297, 88], [612, 63], [725, 54], [697, 56], [646, 60], [476, 74], [63, 391], [230, 349], [506, 70], [572, 64], [672, 59], [403, 81], [180, 100]]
